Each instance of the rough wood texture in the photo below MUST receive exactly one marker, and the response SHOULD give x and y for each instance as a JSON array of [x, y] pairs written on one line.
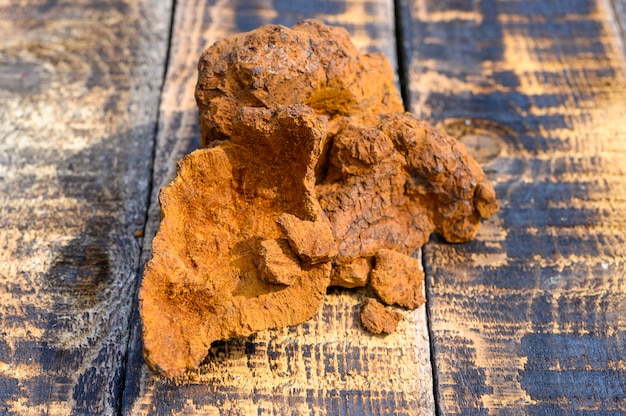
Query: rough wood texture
[[327, 366], [619, 8], [529, 318], [79, 86]]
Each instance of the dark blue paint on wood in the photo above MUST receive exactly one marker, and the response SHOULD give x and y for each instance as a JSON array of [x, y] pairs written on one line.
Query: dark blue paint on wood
[[579, 368]]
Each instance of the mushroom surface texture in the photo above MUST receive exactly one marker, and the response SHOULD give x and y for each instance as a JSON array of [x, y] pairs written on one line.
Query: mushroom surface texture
[[310, 174]]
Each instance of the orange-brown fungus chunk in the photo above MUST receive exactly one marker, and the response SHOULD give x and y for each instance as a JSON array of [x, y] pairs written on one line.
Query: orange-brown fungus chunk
[[353, 274], [393, 183], [398, 279], [277, 262], [311, 64], [309, 159], [312, 241], [204, 282], [385, 178], [377, 319]]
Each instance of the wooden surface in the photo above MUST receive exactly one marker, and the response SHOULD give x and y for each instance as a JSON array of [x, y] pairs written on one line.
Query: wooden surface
[[531, 317], [527, 319], [79, 90]]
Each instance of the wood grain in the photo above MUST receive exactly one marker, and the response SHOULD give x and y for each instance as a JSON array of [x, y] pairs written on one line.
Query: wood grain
[[79, 84], [619, 11], [529, 318], [327, 366]]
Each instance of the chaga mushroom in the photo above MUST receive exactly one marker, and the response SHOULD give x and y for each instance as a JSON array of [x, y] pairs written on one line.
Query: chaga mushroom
[[377, 319], [386, 180], [398, 279], [392, 184], [222, 266], [311, 63], [350, 275], [308, 159]]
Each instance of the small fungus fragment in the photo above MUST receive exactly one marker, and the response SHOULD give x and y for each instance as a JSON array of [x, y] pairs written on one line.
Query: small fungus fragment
[[377, 319], [277, 262], [312, 241], [398, 279], [310, 173], [353, 274]]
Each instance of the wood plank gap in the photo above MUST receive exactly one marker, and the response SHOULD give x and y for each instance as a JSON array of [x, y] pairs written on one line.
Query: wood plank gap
[[402, 27], [149, 202], [402, 70], [429, 327], [170, 36]]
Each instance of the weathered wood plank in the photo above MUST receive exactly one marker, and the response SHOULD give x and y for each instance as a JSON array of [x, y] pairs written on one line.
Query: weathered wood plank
[[327, 366], [529, 318], [79, 84], [619, 10]]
